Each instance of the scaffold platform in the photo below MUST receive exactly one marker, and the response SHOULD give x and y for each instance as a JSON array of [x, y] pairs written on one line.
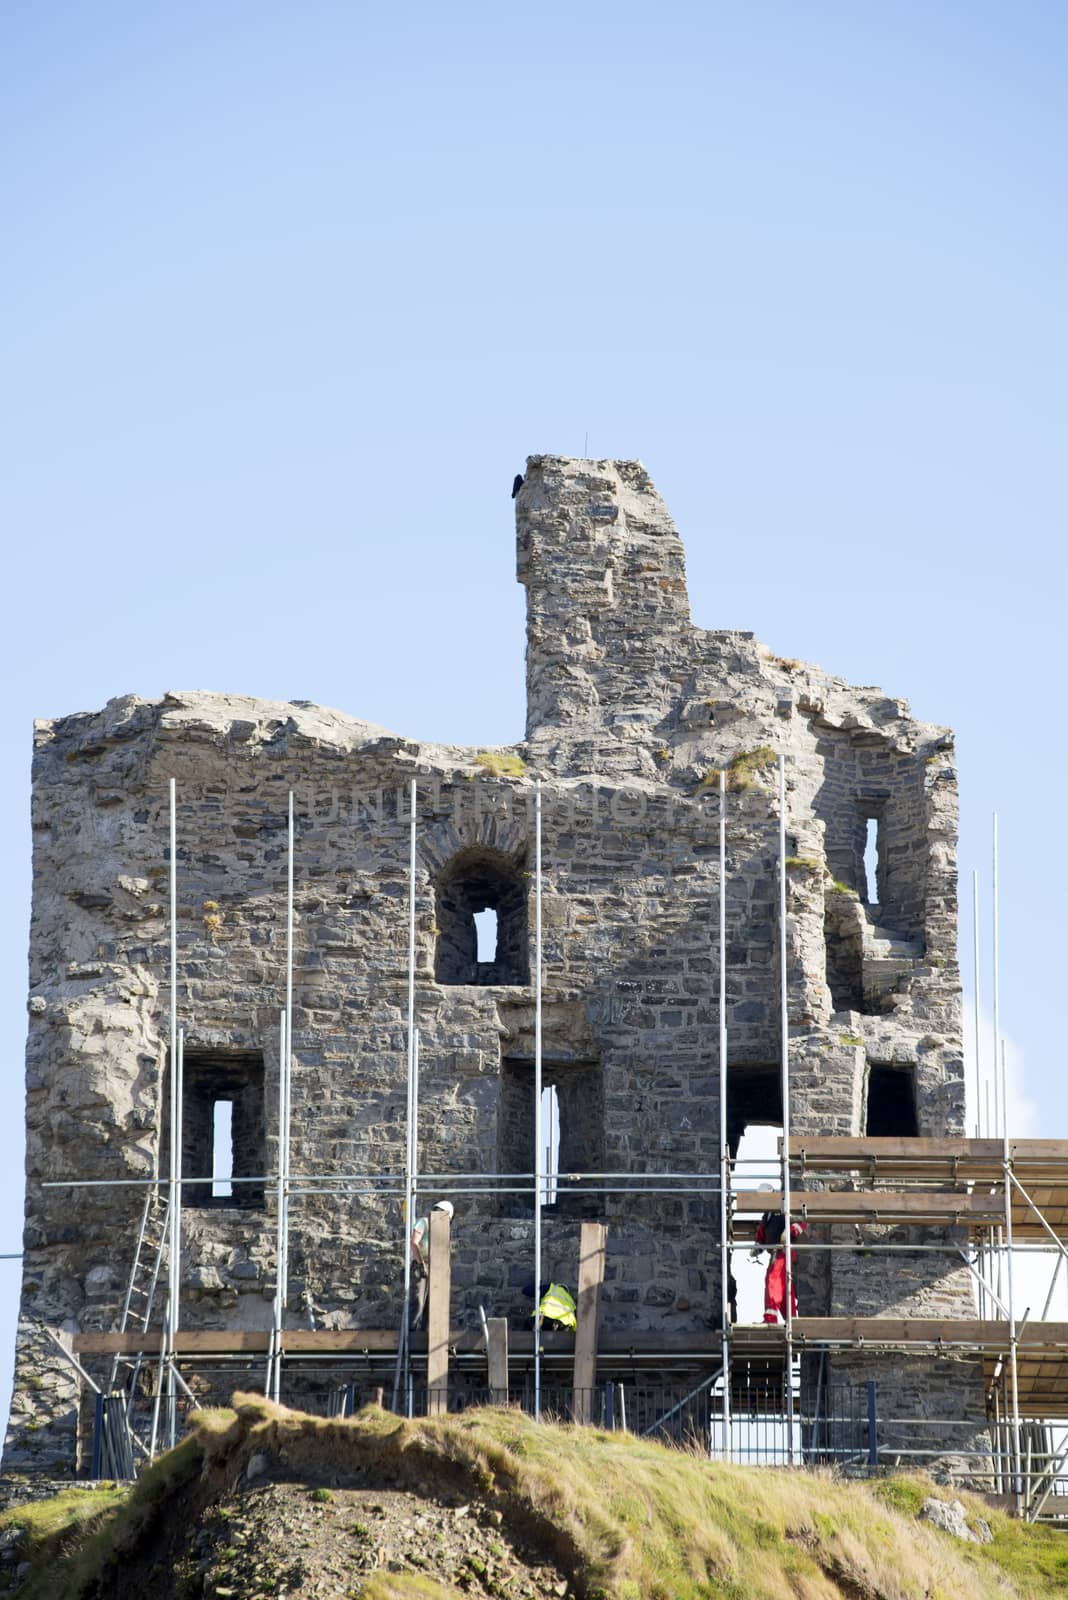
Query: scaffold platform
[[954, 1182], [1042, 1347]]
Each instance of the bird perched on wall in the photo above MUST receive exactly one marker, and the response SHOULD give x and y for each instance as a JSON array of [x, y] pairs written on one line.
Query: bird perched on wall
[[517, 484]]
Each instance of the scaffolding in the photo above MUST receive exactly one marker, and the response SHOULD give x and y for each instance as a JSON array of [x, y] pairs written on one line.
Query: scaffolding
[[1006, 1195]]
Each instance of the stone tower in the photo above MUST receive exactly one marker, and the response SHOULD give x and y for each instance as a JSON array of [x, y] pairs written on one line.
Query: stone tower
[[632, 711]]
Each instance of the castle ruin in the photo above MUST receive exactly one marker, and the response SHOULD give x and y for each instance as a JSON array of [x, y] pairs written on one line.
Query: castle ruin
[[632, 712]]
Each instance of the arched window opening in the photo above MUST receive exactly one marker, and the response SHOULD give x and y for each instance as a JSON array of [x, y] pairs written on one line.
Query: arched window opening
[[481, 905]]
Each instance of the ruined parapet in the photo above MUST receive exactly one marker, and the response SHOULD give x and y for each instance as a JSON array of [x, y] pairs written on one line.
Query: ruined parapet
[[608, 618], [632, 712]]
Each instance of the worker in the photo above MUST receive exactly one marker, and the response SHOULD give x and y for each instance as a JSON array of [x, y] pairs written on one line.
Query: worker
[[769, 1233], [556, 1306], [419, 1246]]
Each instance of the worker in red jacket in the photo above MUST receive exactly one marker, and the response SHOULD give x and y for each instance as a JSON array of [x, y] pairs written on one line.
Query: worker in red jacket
[[770, 1230]]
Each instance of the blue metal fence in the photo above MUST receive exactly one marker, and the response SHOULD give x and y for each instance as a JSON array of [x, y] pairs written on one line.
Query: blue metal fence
[[763, 1431]]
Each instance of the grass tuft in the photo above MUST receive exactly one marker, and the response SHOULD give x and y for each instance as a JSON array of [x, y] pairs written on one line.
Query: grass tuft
[[498, 765], [51, 1528], [741, 770], [408, 1586]]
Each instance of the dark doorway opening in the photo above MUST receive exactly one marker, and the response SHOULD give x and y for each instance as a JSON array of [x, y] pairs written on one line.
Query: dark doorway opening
[[891, 1103]]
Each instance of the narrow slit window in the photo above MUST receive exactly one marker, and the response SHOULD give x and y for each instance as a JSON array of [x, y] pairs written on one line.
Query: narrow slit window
[[486, 934], [222, 1155], [550, 1124], [871, 862]]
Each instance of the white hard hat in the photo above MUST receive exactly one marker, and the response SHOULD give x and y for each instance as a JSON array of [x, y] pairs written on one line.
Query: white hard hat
[[446, 1206], [766, 1188]]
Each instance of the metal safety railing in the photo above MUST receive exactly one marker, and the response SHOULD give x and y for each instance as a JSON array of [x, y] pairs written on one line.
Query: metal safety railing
[[842, 1432], [836, 1425]]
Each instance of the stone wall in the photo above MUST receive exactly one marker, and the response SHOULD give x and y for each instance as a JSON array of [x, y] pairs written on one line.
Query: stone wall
[[631, 713]]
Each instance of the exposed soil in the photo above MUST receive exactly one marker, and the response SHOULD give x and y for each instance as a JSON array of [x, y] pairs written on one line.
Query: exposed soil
[[269, 1540]]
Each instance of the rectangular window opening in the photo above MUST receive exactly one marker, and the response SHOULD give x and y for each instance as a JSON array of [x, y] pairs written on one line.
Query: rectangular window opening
[[891, 1103], [754, 1107], [223, 1129], [222, 1156], [486, 934], [572, 1125]]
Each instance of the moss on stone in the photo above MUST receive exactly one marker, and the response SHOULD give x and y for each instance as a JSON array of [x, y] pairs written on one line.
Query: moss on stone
[[499, 765]]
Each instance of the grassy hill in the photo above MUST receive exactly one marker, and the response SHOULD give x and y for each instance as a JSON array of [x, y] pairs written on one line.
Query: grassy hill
[[261, 1502]]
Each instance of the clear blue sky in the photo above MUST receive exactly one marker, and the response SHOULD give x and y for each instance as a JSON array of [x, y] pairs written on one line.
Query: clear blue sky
[[290, 291]]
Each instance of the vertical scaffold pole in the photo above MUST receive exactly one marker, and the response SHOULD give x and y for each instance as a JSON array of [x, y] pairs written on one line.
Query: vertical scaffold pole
[[1014, 1385], [274, 1357], [286, 1108], [537, 1103], [412, 1149], [724, 1147], [998, 1122], [976, 1025], [999, 1060], [976, 1009], [176, 1247], [289, 927], [174, 1264], [402, 1369], [996, 974], [784, 1031], [413, 1194]]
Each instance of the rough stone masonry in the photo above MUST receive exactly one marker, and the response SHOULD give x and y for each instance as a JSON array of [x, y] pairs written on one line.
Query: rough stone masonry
[[632, 711]]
